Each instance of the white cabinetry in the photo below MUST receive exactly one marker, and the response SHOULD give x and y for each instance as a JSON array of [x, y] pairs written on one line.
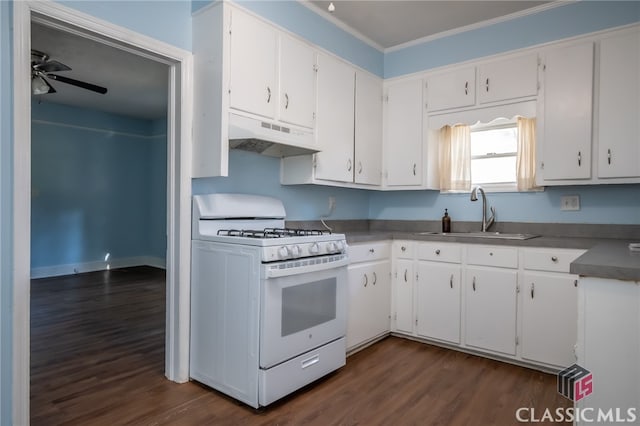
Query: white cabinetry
[[619, 106], [403, 283], [508, 79], [403, 133], [368, 130], [453, 89], [491, 299], [297, 82], [336, 86], [438, 291], [549, 306], [253, 76], [564, 133], [369, 293]]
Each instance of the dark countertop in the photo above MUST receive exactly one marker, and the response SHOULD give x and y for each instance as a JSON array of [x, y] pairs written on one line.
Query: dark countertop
[[605, 258], [609, 259]]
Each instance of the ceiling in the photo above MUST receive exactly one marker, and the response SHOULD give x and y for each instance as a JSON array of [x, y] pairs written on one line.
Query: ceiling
[[137, 86], [390, 23]]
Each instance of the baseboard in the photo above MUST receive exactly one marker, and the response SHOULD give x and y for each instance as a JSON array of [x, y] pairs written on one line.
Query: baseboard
[[78, 268]]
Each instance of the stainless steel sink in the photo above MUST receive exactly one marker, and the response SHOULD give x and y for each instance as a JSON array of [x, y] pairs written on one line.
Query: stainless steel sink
[[494, 235]]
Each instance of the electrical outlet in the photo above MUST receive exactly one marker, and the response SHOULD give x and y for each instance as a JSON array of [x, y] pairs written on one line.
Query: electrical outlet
[[570, 202], [332, 203]]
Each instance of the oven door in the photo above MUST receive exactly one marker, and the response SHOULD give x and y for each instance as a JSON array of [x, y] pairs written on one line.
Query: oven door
[[300, 312]]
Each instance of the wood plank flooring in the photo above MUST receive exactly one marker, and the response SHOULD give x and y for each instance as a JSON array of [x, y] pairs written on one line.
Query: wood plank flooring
[[97, 358]]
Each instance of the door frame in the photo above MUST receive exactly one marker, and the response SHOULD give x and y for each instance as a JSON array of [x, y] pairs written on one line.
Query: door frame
[[179, 146]]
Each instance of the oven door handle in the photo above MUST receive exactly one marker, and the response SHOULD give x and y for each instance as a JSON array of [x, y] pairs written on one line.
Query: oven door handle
[[296, 270]]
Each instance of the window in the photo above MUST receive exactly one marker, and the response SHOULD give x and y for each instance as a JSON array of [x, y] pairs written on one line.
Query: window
[[494, 151]]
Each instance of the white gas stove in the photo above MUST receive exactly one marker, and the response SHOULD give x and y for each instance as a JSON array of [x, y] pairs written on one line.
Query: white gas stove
[[268, 304]]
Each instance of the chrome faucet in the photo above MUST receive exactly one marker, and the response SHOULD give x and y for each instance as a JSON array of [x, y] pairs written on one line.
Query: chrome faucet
[[474, 197]]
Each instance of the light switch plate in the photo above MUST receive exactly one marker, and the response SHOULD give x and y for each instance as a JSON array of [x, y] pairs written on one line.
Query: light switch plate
[[570, 202]]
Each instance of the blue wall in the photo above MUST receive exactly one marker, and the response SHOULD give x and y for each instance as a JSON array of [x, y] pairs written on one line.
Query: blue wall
[[257, 174], [570, 20], [97, 187]]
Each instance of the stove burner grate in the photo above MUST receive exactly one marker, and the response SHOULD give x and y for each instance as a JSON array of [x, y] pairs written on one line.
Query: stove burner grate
[[271, 232]]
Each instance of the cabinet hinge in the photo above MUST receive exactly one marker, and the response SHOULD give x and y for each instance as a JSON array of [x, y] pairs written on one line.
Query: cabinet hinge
[[517, 288], [314, 115], [395, 316], [416, 277], [416, 320], [542, 165], [315, 161], [517, 341], [315, 67]]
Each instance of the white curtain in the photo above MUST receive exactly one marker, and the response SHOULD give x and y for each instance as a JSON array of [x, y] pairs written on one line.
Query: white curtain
[[455, 158], [526, 156]]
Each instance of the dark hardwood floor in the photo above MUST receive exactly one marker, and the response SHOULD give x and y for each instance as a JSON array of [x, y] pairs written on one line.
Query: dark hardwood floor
[[97, 358]]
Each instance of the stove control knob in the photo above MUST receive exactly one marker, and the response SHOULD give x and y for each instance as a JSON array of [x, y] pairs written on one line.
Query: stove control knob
[[283, 252], [331, 247], [340, 246], [295, 251], [314, 249]]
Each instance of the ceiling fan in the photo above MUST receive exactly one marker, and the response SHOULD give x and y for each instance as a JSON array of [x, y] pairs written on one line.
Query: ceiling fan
[[42, 68]]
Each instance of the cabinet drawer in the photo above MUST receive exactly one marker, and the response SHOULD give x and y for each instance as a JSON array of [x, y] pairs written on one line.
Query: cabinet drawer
[[554, 260], [440, 252], [403, 249], [366, 252], [503, 257]]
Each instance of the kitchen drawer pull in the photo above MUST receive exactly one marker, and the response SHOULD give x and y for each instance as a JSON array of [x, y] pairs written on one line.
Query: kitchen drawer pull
[[579, 158], [451, 281], [405, 276], [575, 283], [366, 280], [349, 165], [473, 284], [375, 278], [310, 361], [554, 258], [609, 156], [532, 290], [438, 252], [268, 94], [286, 98], [372, 250]]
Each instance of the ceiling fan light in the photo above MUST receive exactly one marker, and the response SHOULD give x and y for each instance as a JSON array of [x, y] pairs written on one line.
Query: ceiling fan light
[[39, 86]]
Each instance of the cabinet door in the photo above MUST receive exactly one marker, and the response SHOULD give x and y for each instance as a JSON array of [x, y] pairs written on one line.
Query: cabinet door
[[490, 320], [403, 134], [452, 89], [549, 318], [619, 120], [403, 296], [368, 132], [253, 66], [334, 126], [357, 316], [380, 298], [508, 79], [438, 297], [297, 82], [566, 129]]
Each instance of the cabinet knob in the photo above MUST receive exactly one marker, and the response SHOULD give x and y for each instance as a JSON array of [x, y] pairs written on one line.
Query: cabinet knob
[[532, 290], [349, 165], [486, 84], [490, 253], [451, 281], [609, 156], [414, 169], [473, 284], [438, 251], [375, 278], [359, 167], [268, 94], [403, 248], [579, 158], [466, 87], [405, 276], [366, 280], [554, 258], [286, 101], [372, 250]]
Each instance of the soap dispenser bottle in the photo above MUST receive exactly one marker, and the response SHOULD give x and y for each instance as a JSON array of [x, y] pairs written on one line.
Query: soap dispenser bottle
[[446, 222]]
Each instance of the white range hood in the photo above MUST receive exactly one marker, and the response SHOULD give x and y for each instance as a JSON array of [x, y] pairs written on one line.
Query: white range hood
[[268, 138]]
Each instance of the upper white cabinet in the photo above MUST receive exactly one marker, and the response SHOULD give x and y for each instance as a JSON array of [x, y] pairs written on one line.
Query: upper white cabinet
[[453, 89], [253, 76], [403, 133], [508, 79], [619, 106], [297, 82], [334, 126], [368, 130], [564, 133]]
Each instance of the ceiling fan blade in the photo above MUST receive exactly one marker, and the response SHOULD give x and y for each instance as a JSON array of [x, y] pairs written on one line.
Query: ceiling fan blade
[[51, 89], [78, 83], [52, 66]]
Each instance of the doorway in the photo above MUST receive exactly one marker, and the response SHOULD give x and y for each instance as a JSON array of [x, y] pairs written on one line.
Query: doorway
[[180, 93]]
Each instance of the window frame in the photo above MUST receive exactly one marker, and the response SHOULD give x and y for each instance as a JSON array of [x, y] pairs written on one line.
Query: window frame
[[511, 186]]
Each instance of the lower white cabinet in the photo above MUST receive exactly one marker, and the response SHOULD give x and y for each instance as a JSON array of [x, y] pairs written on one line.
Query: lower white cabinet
[[403, 280], [490, 312], [549, 318], [438, 301], [369, 279]]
